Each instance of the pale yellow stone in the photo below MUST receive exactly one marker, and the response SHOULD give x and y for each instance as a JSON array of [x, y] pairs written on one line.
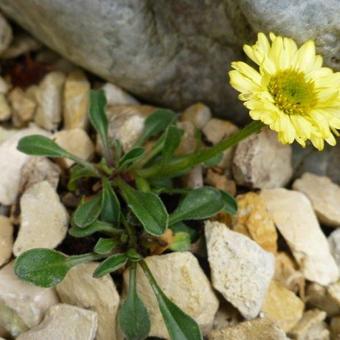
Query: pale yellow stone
[[76, 100], [218, 179], [116, 96], [6, 239], [5, 110], [282, 306], [188, 142], [253, 217], [4, 86], [198, 114]]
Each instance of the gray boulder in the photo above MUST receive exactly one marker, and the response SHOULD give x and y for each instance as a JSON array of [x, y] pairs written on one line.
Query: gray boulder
[[173, 53]]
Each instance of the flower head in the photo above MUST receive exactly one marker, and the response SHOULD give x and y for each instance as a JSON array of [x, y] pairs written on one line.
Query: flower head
[[290, 92]]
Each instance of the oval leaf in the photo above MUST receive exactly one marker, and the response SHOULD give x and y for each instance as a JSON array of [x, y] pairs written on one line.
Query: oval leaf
[[230, 204], [87, 212], [130, 157], [133, 317], [95, 227], [110, 265], [105, 246], [78, 172], [198, 204], [172, 140], [147, 207], [110, 203], [38, 145], [42, 267], [97, 114]]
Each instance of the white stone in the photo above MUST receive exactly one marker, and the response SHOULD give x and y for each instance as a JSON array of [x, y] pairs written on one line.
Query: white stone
[[184, 283], [76, 100], [4, 86], [5, 110], [261, 161], [294, 217], [324, 196], [75, 141], [240, 269], [6, 34], [116, 96], [49, 98], [334, 245], [80, 288], [198, 114], [64, 322], [44, 219], [27, 302], [12, 161], [6, 239]]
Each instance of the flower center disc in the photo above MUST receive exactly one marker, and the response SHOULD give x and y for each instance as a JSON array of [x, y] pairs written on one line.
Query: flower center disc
[[292, 93]]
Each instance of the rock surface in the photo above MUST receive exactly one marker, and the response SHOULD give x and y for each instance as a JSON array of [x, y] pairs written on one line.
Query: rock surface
[[198, 114], [294, 217], [80, 288], [116, 96], [254, 329], [26, 301], [63, 321], [334, 245], [44, 219], [5, 34], [6, 239], [183, 281], [240, 269], [324, 196]]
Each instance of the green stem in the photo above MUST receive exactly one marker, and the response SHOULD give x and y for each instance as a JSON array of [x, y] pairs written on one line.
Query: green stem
[[84, 163], [78, 259], [180, 164]]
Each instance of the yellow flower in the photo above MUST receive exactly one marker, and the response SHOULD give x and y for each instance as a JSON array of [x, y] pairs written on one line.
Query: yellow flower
[[291, 92]]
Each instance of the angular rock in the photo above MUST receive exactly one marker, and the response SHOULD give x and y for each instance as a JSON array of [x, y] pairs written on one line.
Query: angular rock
[[5, 110], [184, 282], [116, 96], [217, 178], [311, 326], [44, 219], [27, 303], [12, 161], [253, 220], [80, 288], [76, 100], [282, 306], [6, 34], [262, 162], [23, 107], [226, 316], [254, 329], [64, 321], [334, 245], [294, 217], [324, 196], [198, 114], [4, 86], [49, 98], [6, 239], [194, 179], [75, 141], [38, 169], [240, 269]]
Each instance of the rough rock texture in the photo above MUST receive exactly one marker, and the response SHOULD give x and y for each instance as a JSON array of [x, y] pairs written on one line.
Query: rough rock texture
[[262, 162], [5, 34], [63, 321], [5, 110], [6, 239], [44, 219], [184, 282], [116, 96], [198, 114], [250, 330], [324, 196], [334, 245], [12, 161], [80, 288], [26, 302], [294, 217], [240, 269], [282, 306]]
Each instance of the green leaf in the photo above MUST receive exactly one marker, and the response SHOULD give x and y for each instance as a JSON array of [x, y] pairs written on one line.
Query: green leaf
[[182, 227], [110, 203], [133, 255], [88, 211], [38, 145], [78, 172], [179, 324], [198, 204], [130, 157], [147, 207], [97, 114], [95, 227], [157, 122], [133, 317], [181, 242], [172, 140], [111, 264], [230, 204], [214, 160], [105, 246]]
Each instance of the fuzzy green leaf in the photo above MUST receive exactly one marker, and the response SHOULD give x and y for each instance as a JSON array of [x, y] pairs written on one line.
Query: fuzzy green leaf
[[172, 140], [198, 204], [105, 246], [88, 211], [181, 242], [111, 264], [95, 227], [230, 204], [78, 172], [97, 114], [130, 157], [110, 204], [133, 317]]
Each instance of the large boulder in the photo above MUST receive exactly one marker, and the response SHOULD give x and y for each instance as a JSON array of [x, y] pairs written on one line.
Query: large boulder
[[173, 53]]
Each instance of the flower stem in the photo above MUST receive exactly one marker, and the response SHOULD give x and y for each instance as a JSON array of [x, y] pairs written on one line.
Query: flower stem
[[183, 163]]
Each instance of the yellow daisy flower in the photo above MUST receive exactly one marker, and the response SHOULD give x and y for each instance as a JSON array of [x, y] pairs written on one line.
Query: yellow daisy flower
[[291, 92]]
